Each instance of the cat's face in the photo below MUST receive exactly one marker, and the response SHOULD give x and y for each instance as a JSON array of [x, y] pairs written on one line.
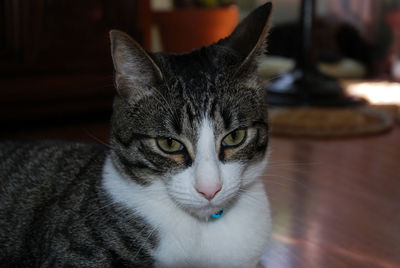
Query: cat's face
[[196, 121]]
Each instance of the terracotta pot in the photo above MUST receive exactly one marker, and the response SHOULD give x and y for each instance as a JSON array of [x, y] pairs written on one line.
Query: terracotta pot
[[183, 30]]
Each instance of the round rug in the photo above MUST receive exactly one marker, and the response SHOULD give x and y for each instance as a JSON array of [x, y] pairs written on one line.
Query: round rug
[[332, 122]]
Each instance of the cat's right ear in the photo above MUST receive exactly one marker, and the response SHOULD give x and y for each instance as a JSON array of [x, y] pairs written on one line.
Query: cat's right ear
[[248, 40], [134, 68]]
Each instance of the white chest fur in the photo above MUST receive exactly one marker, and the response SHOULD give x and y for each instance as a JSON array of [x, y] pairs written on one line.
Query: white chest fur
[[235, 240]]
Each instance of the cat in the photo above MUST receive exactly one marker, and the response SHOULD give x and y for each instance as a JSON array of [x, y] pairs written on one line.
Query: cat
[[180, 184]]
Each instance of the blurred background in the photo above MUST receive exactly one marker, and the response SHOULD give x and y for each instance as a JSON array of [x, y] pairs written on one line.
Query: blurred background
[[55, 64]]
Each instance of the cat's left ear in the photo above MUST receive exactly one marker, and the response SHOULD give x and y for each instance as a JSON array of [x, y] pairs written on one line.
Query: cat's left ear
[[135, 70], [248, 40]]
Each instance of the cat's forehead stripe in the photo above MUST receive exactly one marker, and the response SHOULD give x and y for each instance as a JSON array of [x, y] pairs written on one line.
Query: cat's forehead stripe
[[206, 142], [226, 117]]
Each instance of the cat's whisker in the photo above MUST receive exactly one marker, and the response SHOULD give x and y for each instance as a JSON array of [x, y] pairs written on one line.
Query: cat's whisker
[[274, 177], [148, 237], [292, 165], [90, 134], [284, 180], [92, 213], [276, 76], [168, 103], [281, 181]]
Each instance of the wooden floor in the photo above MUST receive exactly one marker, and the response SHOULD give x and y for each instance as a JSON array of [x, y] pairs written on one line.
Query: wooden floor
[[335, 203]]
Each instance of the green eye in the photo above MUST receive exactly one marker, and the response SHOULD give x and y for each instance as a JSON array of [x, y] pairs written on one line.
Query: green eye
[[169, 145], [235, 138]]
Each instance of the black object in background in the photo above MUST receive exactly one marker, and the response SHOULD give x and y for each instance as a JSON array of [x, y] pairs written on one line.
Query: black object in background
[[305, 85]]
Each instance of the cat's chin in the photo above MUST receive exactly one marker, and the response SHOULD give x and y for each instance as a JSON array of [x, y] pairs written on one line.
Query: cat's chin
[[204, 212]]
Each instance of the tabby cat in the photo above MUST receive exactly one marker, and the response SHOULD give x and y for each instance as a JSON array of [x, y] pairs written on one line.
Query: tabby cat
[[180, 184]]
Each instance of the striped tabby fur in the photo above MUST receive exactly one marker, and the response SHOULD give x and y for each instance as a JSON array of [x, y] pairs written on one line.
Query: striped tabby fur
[[53, 212], [83, 205]]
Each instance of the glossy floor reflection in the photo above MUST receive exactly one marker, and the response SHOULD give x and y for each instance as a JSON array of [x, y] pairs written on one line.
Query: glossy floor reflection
[[335, 203]]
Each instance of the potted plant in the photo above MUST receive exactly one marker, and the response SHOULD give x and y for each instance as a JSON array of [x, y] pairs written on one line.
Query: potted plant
[[193, 24]]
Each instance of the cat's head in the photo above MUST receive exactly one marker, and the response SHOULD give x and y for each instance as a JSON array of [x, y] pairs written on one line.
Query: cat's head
[[196, 121]]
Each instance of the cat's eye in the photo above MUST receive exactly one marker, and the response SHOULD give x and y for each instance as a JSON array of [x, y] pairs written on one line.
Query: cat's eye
[[235, 138], [169, 145]]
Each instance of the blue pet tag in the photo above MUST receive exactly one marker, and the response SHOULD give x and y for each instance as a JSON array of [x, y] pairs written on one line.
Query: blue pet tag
[[217, 215]]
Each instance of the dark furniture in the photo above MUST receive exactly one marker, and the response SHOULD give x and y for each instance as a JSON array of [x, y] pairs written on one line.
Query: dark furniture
[[55, 56]]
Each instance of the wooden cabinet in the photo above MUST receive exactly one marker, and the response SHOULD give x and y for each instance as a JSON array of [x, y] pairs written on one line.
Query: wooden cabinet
[[55, 54]]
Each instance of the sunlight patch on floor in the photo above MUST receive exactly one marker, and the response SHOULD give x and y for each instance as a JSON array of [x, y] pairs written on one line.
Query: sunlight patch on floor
[[376, 92]]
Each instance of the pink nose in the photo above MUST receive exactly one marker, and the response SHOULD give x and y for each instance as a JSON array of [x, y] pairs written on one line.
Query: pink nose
[[209, 192]]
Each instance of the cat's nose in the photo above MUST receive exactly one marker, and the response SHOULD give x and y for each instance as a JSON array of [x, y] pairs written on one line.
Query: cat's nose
[[209, 192]]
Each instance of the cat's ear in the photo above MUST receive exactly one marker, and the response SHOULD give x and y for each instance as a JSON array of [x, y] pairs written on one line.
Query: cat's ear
[[248, 40], [134, 68]]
